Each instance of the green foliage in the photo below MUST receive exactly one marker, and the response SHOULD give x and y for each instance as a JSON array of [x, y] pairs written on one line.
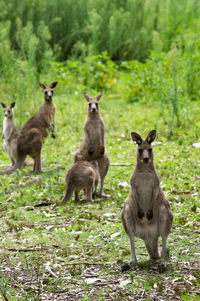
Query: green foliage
[[158, 34], [96, 72], [125, 29]]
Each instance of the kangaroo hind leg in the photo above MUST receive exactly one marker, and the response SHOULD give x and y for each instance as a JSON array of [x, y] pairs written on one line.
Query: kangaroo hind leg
[[89, 193], [103, 164], [128, 226], [37, 164]]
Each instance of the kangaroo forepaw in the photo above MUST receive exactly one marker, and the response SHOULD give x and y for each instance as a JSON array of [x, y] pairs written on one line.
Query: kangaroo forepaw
[[149, 214], [127, 266], [90, 151], [103, 150], [161, 268], [140, 213]]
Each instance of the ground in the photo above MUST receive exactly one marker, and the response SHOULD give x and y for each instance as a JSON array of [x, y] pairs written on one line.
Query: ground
[[75, 252]]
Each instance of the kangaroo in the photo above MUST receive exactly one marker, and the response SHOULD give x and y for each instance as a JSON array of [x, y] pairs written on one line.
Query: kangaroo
[[10, 132], [93, 144], [33, 132], [146, 213], [81, 175]]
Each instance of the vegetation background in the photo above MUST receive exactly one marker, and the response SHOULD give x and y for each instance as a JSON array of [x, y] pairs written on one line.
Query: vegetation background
[[145, 56]]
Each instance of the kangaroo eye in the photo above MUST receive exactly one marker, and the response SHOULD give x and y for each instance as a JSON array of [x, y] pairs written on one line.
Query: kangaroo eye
[[150, 150], [8, 111], [97, 105], [140, 151], [90, 105], [45, 92], [52, 92]]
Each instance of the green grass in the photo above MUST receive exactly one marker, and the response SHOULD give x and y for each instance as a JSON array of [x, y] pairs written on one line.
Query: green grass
[[49, 253]]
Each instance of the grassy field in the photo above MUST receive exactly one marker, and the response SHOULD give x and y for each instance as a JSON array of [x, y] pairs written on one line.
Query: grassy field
[[144, 56], [75, 252]]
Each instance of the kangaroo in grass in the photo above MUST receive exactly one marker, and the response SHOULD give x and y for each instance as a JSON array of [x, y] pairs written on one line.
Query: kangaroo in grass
[[81, 175], [10, 132], [93, 144], [146, 212], [33, 132]]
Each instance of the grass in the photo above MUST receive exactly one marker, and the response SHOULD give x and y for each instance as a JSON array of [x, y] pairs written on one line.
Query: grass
[[75, 252]]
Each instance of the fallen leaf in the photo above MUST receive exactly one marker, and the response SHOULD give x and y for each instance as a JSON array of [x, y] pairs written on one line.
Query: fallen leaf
[[196, 145], [122, 184], [77, 237], [109, 214], [115, 234], [92, 280], [123, 283]]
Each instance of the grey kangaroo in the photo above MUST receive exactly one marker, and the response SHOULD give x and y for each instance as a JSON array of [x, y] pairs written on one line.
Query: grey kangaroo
[[93, 144], [33, 132], [146, 212], [10, 132], [81, 175]]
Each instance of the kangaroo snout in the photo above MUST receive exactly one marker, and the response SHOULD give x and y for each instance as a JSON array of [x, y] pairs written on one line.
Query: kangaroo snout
[[93, 107], [145, 155], [48, 95]]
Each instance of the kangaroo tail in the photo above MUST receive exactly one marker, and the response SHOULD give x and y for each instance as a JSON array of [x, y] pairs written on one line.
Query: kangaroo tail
[[68, 195], [19, 163], [152, 248]]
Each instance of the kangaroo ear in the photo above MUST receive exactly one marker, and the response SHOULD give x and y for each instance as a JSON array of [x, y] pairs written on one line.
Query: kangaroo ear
[[151, 136], [12, 104], [87, 97], [42, 86], [53, 85], [99, 96], [3, 105], [136, 137]]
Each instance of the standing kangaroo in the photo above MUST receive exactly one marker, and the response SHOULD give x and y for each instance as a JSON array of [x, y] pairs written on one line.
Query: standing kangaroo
[[146, 212], [93, 144], [81, 175], [10, 132], [33, 132]]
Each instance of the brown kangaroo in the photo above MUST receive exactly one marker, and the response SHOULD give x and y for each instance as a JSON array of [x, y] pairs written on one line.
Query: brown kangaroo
[[33, 132], [10, 132], [81, 175], [146, 213], [93, 144]]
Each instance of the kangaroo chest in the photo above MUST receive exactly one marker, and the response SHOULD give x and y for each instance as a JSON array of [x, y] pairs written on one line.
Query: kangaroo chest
[[94, 128], [95, 124], [51, 113], [143, 188], [7, 129]]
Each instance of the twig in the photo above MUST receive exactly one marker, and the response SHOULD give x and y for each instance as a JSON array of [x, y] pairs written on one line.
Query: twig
[[180, 192], [26, 249], [50, 271], [43, 204], [5, 166], [121, 164], [86, 263]]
